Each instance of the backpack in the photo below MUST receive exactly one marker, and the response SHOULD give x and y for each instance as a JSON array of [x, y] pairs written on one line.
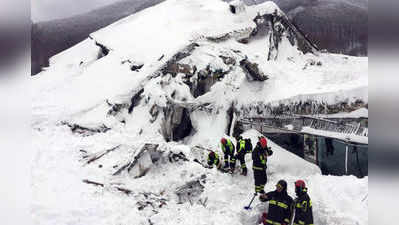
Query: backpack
[[248, 145]]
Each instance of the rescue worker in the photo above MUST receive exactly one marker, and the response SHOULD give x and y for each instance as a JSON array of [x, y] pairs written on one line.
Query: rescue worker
[[279, 205], [228, 151], [213, 159], [303, 206], [238, 142], [241, 151], [259, 157]]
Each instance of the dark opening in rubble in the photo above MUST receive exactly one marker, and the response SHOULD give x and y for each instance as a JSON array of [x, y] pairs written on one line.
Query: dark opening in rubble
[[206, 78], [184, 128], [230, 116], [204, 84], [232, 9], [238, 130], [292, 142], [252, 70]]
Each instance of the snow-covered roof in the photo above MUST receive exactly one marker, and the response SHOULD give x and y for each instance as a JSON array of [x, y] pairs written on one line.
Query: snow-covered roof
[[237, 2], [239, 6], [268, 7], [340, 136], [171, 25], [359, 113]]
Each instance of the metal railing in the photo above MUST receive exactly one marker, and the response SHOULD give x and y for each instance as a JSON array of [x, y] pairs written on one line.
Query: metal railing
[[297, 122]]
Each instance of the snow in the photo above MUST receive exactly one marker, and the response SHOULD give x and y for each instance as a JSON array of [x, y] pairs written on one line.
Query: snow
[[289, 83], [239, 6], [210, 17], [61, 198], [77, 93], [359, 113], [87, 50], [341, 136], [267, 7]]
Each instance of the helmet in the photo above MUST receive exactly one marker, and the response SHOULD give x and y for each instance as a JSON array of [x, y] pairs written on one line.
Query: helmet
[[240, 137], [223, 141], [300, 187], [300, 183], [263, 142], [212, 155], [283, 184]]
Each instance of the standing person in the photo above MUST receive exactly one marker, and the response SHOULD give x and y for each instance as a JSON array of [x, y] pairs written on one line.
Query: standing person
[[248, 145], [228, 151], [303, 206], [279, 205], [259, 158], [241, 151]]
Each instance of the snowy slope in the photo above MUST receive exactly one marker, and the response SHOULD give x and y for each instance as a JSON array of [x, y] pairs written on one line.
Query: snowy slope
[[86, 87], [61, 198]]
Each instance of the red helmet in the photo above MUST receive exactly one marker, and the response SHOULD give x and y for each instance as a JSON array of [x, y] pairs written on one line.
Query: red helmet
[[300, 183], [223, 141], [263, 142], [212, 155]]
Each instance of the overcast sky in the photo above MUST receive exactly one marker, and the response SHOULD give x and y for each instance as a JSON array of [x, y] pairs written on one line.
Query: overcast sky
[[54, 9]]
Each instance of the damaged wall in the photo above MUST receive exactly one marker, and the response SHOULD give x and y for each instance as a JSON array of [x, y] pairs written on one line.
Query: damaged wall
[[176, 123], [309, 107], [277, 27]]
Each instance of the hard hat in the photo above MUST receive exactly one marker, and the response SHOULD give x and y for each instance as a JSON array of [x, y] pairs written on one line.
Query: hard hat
[[223, 141], [263, 142], [300, 183]]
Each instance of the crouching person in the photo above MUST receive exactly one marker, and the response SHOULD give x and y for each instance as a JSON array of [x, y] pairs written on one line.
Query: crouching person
[[228, 151], [213, 160]]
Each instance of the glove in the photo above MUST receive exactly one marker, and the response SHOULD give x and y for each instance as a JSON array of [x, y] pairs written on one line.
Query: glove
[[263, 197]]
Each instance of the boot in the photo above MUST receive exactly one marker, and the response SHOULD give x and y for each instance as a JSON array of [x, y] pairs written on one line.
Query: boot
[[244, 172], [226, 166]]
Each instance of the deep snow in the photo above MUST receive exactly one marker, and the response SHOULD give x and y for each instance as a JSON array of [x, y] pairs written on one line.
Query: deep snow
[[60, 196]]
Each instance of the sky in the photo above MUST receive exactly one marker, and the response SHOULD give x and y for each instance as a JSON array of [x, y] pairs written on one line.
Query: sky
[[42, 10]]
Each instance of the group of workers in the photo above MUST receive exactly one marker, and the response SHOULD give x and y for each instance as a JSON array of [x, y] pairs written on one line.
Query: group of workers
[[283, 210]]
